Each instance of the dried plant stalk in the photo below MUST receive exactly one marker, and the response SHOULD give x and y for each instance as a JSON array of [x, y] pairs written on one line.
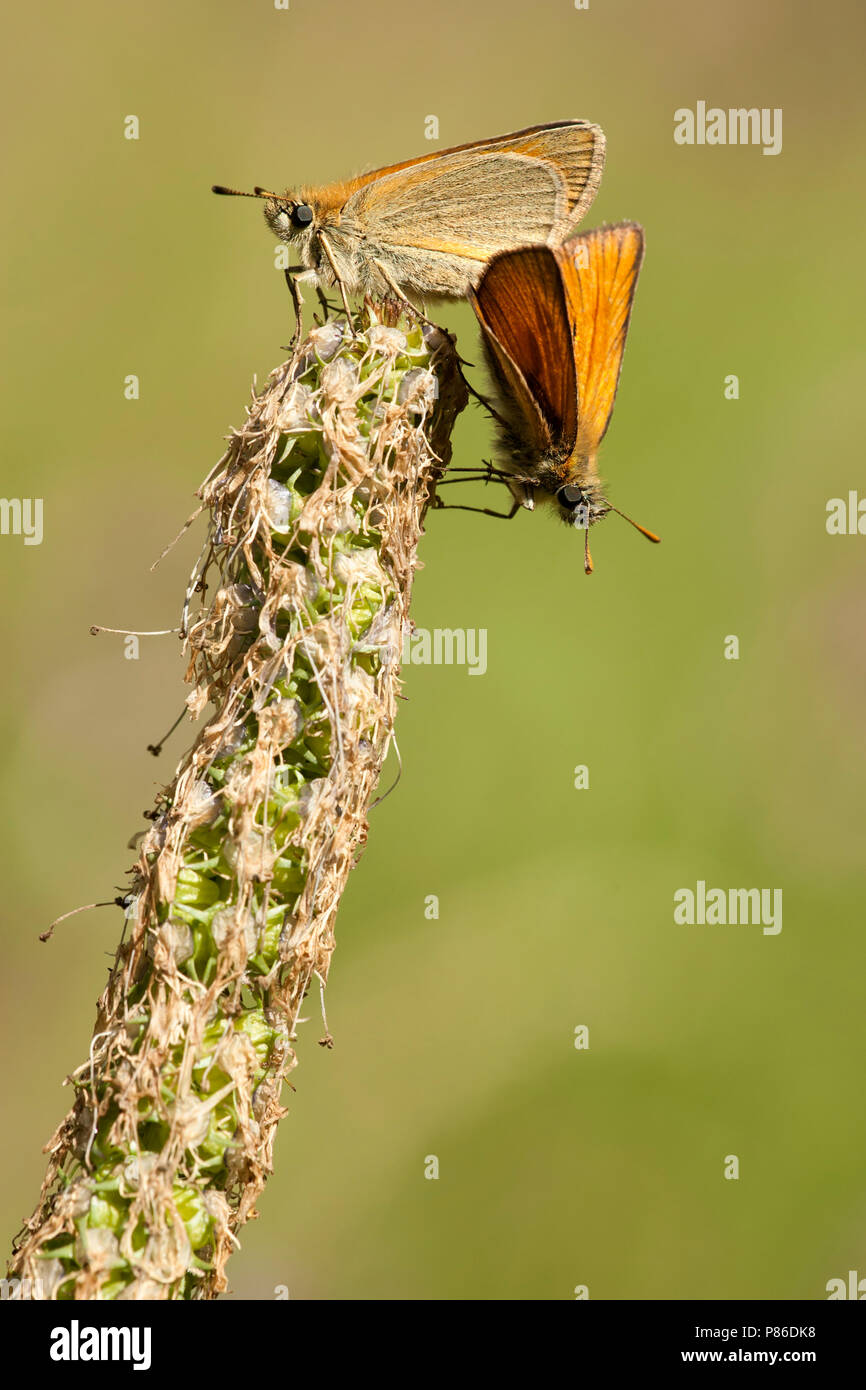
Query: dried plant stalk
[[315, 514]]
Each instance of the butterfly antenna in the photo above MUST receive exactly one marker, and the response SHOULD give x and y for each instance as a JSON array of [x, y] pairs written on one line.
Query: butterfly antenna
[[650, 535], [587, 557], [240, 193]]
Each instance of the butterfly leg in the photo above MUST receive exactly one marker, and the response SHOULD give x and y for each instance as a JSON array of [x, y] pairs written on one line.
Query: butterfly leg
[[297, 301], [328, 306], [326, 247], [483, 472], [484, 401], [441, 506], [400, 296]]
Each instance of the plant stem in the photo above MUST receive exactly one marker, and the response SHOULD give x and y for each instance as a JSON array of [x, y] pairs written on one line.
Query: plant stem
[[315, 513]]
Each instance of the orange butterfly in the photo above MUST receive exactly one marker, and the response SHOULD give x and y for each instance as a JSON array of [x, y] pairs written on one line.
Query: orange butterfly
[[554, 322]]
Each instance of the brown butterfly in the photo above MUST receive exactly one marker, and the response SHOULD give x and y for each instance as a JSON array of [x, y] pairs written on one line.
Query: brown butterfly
[[554, 322], [431, 224]]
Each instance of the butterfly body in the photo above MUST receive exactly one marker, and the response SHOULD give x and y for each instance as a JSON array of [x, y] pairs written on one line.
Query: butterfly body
[[550, 476]]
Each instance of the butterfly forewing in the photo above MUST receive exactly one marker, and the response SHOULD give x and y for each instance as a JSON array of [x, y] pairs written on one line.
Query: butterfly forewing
[[599, 272], [575, 149], [463, 206]]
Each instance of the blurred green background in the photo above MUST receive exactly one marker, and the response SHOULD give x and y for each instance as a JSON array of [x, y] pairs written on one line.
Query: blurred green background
[[454, 1037]]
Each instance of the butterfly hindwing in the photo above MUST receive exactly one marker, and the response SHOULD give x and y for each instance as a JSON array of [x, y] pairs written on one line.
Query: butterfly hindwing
[[521, 302]]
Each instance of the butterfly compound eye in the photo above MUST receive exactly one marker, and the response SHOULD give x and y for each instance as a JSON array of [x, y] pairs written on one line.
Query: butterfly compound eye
[[301, 215], [570, 496]]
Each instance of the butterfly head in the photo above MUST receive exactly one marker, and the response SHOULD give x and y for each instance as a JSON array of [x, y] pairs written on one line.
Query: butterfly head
[[290, 218], [580, 506]]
